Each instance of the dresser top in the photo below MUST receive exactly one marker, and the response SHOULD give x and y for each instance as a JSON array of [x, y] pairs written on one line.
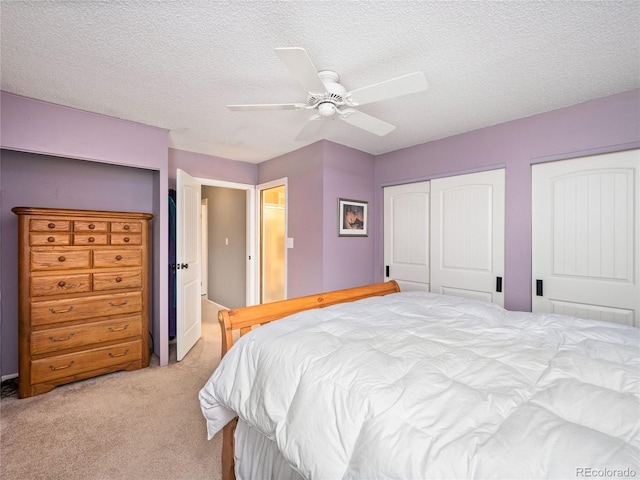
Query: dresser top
[[63, 212]]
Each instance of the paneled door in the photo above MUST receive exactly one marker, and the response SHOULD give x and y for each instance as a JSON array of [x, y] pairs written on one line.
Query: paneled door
[[467, 236], [188, 260], [406, 235], [586, 234]]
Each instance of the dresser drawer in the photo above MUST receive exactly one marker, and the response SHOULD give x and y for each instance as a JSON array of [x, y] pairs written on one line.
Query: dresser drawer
[[117, 258], [60, 284], [126, 227], [126, 239], [90, 239], [90, 226], [52, 239], [60, 259], [117, 280], [64, 310], [60, 366], [63, 338], [44, 225]]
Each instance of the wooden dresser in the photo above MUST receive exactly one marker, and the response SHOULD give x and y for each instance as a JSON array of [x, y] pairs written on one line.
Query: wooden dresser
[[84, 295]]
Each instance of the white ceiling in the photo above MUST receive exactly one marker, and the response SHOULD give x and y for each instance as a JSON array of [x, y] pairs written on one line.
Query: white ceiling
[[177, 64]]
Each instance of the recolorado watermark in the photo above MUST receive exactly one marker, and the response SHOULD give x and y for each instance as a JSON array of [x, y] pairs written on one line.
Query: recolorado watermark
[[604, 472]]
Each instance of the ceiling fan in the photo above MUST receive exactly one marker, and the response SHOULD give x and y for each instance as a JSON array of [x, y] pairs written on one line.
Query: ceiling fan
[[332, 100]]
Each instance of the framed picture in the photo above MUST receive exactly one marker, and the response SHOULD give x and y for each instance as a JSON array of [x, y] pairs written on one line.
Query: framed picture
[[352, 218]]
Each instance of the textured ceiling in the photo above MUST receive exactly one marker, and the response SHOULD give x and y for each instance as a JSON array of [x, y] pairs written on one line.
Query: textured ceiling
[[177, 64]]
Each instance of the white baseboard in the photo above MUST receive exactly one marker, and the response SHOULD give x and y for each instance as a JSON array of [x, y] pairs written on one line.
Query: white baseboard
[[9, 377]]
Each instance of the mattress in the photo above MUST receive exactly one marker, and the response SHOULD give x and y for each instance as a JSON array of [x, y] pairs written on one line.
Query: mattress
[[419, 385]]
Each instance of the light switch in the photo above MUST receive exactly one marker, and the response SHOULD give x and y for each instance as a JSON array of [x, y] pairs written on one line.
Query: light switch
[[289, 242], [226, 241]]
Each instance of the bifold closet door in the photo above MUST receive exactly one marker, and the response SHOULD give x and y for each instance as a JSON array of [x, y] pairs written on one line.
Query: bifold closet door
[[586, 235], [467, 236], [406, 235]]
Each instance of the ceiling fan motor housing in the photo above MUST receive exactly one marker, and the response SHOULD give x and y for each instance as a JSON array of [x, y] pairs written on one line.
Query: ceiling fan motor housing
[[328, 101]]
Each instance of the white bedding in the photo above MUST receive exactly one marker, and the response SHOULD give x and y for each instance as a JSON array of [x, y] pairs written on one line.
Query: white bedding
[[416, 385]]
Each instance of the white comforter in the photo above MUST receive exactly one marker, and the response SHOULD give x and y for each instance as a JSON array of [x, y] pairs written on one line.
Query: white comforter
[[417, 385]]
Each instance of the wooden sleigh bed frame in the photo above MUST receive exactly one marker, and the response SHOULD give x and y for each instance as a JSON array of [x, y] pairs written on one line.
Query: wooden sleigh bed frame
[[244, 319]]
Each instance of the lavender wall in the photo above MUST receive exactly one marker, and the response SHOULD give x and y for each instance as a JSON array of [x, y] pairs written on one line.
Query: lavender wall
[[34, 126], [29, 125], [304, 170], [603, 125], [347, 261], [206, 166]]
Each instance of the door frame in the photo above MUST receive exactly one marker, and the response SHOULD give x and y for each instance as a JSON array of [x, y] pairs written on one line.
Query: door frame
[[251, 257], [204, 280]]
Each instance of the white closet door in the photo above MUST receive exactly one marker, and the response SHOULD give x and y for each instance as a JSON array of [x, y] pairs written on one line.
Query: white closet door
[[406, 235], [586, 234], [467, 236]]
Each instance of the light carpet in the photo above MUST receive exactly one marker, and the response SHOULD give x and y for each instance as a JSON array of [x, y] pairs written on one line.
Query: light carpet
[[145, 424]]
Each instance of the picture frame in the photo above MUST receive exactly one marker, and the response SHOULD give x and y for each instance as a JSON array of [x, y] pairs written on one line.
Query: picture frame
[[353, 218]]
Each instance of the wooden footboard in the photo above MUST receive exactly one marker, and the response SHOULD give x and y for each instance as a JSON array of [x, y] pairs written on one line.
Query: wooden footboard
[[244, 319]]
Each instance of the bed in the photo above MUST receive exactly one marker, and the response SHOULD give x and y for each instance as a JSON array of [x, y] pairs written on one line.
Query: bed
[[387, 384]]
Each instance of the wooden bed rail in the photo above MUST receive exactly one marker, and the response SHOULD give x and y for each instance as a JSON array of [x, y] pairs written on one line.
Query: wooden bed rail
[[245, 318]]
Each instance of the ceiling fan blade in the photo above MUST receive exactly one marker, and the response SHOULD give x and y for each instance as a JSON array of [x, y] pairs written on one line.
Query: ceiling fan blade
[[311, 130], [302, 69], [396, 87], [267, 106], [367, 122]]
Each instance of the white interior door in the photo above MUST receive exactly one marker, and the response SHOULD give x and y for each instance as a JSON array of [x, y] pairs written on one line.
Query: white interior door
[[586, 231], [406, 235], [188, 263], [467, 236]]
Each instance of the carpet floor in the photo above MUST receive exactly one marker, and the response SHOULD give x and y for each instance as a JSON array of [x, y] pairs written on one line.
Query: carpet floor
[[144, 424]]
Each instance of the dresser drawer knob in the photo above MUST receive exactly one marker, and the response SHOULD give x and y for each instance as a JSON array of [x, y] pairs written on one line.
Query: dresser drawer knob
[[61, 258], [127, 227], [126, 239], [122, 329], [53, 369], [118, 257], [61, 283], [91, 226], [119, 304], [115, 355], [118, 279], [91, 239], [52, 225], [52, 310], [63, 339], [51, 239]]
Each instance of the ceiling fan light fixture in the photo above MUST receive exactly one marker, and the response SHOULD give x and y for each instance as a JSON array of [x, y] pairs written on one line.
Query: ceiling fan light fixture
[[327, 109]]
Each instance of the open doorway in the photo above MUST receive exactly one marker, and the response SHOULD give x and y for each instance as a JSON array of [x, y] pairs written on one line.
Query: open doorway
[[230, 242], [273, 240], [272, 244]]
